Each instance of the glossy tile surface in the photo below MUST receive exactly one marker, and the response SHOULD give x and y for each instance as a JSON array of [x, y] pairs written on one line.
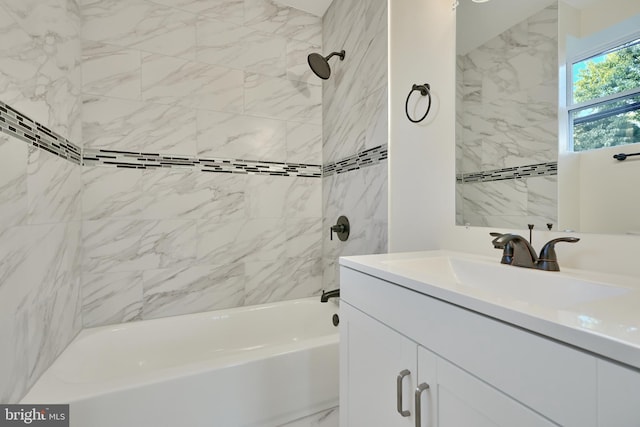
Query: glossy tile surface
[[40, 203], [198, 79], [354, 120], [95, 245], [507, 117]]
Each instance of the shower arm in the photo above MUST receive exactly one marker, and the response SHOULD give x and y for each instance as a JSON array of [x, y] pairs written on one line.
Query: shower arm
[[332, 54]]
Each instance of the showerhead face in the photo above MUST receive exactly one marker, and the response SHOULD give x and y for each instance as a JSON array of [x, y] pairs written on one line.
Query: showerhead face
[[319, 65]]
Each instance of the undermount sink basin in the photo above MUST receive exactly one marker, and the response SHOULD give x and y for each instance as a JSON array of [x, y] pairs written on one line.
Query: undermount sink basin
[[530, 286]]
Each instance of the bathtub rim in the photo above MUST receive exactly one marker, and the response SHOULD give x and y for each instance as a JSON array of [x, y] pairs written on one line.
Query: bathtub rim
[[49, 384]]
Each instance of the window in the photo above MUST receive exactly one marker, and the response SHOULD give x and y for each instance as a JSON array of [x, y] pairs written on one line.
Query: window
[[604, 107]]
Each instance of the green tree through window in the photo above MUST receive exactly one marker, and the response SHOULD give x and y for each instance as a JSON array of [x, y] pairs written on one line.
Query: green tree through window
[[615, 121]]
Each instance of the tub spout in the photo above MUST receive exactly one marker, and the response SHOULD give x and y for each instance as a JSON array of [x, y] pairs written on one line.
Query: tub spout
[[330, 294]]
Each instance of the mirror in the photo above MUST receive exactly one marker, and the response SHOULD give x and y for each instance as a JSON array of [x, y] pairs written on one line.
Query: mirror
[[514, 165]]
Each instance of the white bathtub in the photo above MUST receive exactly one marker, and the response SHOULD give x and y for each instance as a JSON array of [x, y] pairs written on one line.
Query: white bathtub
[[261, 366]]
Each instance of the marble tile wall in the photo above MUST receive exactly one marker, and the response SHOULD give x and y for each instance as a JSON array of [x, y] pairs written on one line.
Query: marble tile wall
[[150, 161], [507, 117], [166, 242], [362, 159], [40, 203], [355, 97], [355, 121], [509, 203], [85, 246], [199, 79], [361, 195]]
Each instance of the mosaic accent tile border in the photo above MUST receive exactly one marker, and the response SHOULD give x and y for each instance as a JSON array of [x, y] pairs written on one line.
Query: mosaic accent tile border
[[516, 172], [135, 160], [369, 157], [18, 125]]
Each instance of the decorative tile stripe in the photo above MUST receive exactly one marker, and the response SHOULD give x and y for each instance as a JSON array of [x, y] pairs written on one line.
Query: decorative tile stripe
[[18, 125], [369, 157], [135, 160], [516, 172]]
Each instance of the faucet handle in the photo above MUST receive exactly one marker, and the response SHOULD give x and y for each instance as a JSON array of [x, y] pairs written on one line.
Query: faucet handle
[[341, 228], [548, 260], [507, 250]]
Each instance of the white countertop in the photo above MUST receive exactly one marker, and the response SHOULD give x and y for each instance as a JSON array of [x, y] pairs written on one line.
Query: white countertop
[[607, 325]]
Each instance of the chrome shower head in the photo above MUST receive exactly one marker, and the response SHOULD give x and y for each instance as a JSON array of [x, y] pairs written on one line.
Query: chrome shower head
[[320, 64]]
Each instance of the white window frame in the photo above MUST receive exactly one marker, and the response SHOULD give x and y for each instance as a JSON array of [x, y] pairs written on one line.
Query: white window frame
[[595, 50]]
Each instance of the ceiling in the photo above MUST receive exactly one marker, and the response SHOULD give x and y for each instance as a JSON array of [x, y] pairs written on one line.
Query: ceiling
[[315, 7]]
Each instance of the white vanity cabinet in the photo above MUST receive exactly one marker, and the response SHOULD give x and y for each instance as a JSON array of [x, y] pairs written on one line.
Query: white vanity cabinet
[[480, 371], [375, 358], [389, 374], [460, 399], [618, 395]]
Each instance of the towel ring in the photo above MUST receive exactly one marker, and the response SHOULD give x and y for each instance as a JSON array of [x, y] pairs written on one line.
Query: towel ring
[[424, 91]]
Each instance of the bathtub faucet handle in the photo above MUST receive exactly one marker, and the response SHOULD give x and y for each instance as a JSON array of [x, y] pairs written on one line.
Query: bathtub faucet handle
[[341, 229], [338, 228]]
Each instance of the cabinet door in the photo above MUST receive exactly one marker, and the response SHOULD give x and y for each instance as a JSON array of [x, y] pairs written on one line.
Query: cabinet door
[[371, 358], [456, 398], [618, 396]]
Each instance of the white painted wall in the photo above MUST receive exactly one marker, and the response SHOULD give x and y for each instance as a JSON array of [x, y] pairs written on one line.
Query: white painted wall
[[609, 190], [568, 162], [422, 157], [603, 14], [594, 188]]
